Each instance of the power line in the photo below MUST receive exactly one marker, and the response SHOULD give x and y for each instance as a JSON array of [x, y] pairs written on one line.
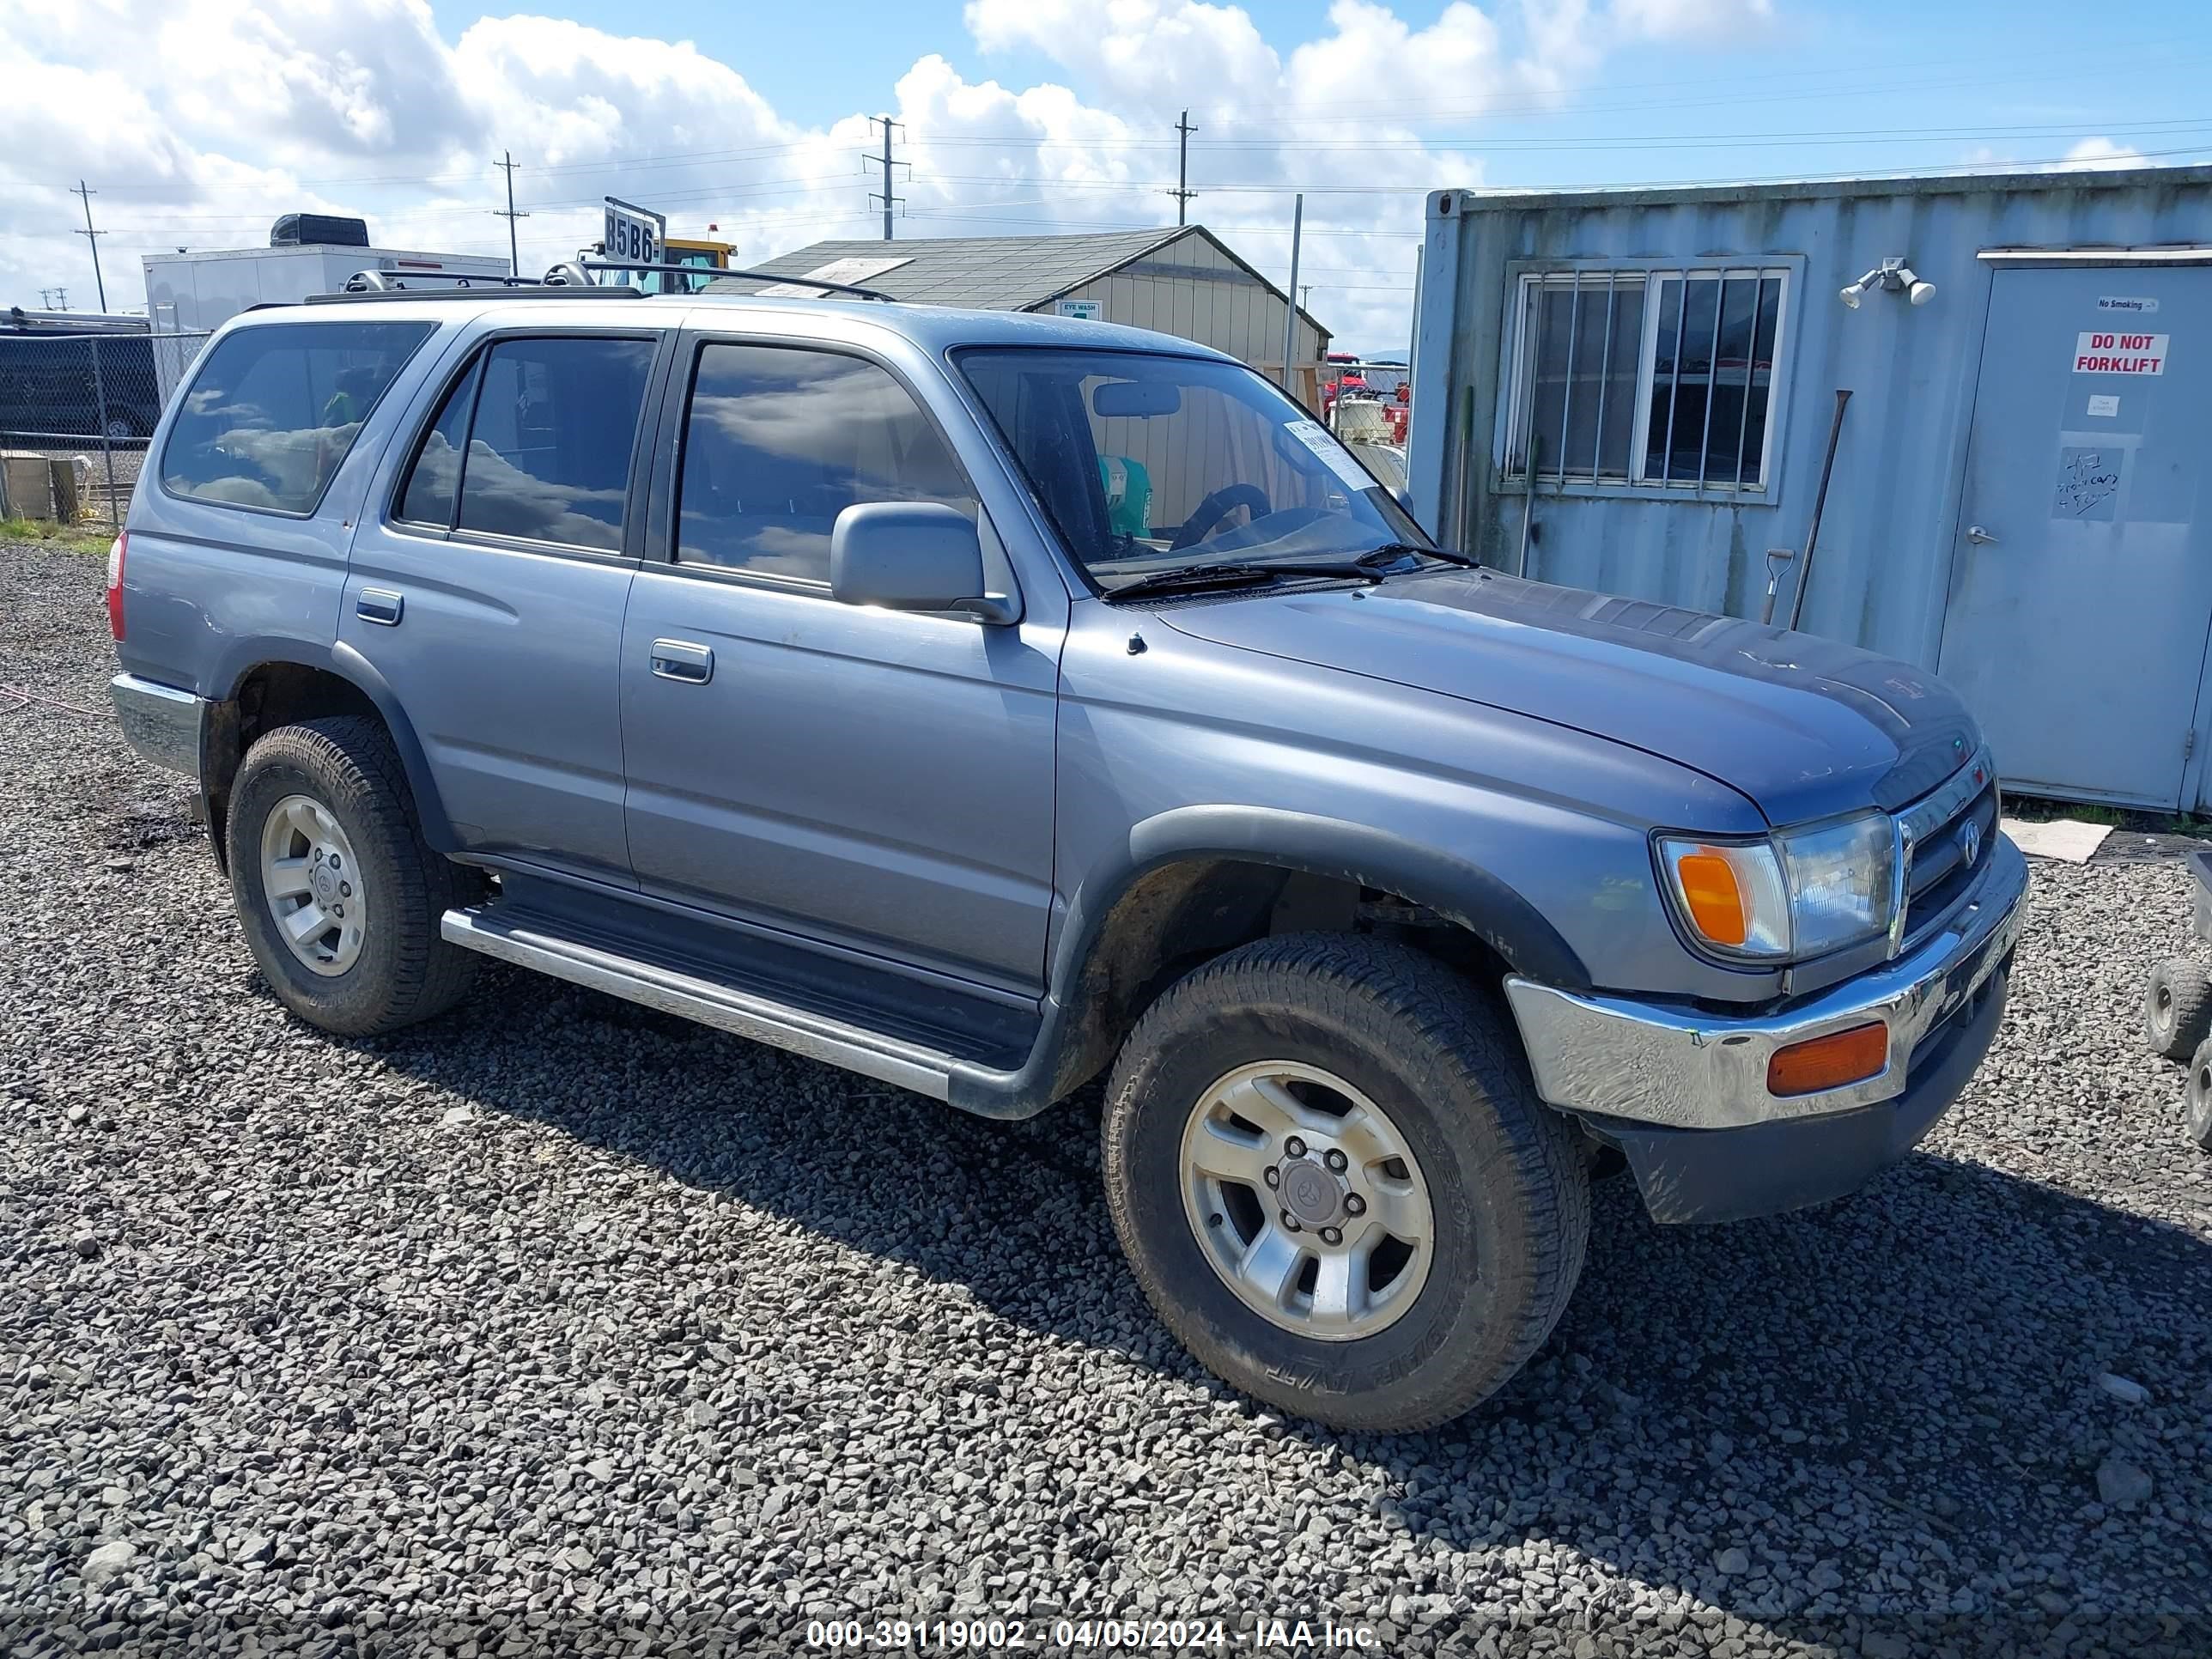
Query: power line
[[509, 213], [92, 236], [1183, 191]]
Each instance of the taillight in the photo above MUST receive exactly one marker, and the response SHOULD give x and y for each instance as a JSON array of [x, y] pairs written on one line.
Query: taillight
[[115, 552]]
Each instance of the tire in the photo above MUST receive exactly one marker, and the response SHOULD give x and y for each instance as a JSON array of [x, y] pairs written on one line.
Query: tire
[[2177, 1008], [2196, 1096], [399, 970], [1507, 1185]]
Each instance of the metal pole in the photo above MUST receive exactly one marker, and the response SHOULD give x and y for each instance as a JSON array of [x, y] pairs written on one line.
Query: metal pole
[[1819, 501], [106, 443], [1289, 294], [92, 236], [1183, 166], [887, 178], [513, 258]]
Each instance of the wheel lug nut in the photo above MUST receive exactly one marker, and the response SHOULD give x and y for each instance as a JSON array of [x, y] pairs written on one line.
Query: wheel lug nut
[[346, 888], [1330, 1236], [1354, 1204], [1274, 1177], [1294, 1147], [337, 909], [334, 860], [1290, 1221], [1336, 1160]]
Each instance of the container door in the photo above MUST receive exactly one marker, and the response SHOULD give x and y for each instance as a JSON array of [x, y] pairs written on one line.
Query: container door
[[2081, 588]]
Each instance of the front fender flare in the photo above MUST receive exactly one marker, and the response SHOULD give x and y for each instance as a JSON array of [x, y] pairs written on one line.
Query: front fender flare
[[1452, 886]]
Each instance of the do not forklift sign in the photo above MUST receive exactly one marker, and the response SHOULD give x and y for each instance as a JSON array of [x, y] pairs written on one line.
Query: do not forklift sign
[[2119, 354]]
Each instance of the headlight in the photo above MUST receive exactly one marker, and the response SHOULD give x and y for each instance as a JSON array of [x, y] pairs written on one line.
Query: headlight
[[1793, 895]]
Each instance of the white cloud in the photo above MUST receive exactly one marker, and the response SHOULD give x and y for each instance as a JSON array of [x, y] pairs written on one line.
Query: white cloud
[[216, 116], [2100, 153]]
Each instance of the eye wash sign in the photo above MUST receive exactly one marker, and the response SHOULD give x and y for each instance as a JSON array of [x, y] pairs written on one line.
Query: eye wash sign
[[2119, 354]]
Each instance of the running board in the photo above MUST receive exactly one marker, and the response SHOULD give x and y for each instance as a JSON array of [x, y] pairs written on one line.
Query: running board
[[834, 1042]]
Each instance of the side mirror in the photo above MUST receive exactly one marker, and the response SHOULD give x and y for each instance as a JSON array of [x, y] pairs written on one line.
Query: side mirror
[[911, 555]]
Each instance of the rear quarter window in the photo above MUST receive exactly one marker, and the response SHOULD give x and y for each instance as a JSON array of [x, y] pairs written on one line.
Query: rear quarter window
[[273, 410]]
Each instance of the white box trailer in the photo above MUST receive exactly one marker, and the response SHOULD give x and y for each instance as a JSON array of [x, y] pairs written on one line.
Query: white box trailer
[[190, 294]]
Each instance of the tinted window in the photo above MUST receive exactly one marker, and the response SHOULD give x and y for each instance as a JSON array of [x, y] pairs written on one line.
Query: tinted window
[[549, 452], [778, 442], [434, 485], [273, 410]]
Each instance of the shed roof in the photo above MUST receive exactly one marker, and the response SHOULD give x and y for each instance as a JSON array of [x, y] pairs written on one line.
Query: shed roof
[[984, 273]]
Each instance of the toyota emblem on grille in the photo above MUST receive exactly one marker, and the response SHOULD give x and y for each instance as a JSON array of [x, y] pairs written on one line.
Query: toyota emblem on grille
[[1970, 842]]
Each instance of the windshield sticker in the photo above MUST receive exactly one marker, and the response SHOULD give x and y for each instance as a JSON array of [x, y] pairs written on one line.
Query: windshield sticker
[[1333, 455]]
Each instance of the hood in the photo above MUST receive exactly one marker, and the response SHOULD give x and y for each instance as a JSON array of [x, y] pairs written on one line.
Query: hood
[[1807, 728]]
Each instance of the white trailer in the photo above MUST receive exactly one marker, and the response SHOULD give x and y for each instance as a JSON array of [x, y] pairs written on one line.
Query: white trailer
[[190, 294]]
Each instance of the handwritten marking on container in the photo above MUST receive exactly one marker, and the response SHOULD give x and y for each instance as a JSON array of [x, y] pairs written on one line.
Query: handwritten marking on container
[[2119, 354], [2089, 479]]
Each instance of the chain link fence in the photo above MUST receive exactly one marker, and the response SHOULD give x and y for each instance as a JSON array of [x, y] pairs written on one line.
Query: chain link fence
[[85, 403]]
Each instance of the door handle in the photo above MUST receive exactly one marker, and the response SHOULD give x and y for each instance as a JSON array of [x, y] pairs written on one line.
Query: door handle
[[1977, 535], [680, 659], [380, 606]]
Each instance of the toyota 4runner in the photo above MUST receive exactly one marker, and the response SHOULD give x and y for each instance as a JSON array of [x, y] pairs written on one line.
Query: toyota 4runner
[[988, 702]]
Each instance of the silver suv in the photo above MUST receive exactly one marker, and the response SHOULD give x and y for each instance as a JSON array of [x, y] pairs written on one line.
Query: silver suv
[[987, 703]]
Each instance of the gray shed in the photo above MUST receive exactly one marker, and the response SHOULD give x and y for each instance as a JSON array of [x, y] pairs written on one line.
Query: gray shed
[[1183, 280]]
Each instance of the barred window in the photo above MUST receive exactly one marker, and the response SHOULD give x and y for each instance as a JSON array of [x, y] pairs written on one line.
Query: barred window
[[1657, 377]]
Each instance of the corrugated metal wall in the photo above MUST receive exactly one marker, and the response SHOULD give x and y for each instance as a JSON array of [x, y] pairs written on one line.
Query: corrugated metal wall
[[1191, 290], [1885, 556]]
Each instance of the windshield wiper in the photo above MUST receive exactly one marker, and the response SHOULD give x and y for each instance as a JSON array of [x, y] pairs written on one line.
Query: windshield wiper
[[1402, 549], [1370, 566]]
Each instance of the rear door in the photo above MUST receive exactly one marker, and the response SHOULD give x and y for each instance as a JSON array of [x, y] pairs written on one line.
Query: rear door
[[2082, 579], [876, 779], [488, 582]]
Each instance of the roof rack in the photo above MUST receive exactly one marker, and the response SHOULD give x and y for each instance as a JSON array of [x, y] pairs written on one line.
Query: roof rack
[[712, 273], [564, 281]]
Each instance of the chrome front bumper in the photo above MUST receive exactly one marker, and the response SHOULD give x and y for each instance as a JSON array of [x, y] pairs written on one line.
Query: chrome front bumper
[[161, 722], [1688, 1069]]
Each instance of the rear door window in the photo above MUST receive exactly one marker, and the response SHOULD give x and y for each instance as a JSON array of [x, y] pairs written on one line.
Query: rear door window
[[779, 441], [275, 410], [549, 449]]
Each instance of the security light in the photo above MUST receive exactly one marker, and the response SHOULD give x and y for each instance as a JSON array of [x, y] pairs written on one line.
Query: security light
[[1891, 275]]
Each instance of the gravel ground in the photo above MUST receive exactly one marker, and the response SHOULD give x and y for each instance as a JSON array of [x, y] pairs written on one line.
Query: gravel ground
[[557, 1328]]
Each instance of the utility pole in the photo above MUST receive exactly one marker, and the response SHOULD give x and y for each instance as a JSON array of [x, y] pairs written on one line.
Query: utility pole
[[92, 236], [513, 260], [61, 299], [1291, 322], [887, 198], [1183, 193]]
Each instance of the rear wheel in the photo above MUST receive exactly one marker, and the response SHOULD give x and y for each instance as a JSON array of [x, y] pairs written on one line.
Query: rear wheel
[[339, 897], [2177, 1008], [1328, 1168]]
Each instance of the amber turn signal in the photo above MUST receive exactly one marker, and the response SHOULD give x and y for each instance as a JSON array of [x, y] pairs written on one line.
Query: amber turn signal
[[1713, 897], [1828, 1062]]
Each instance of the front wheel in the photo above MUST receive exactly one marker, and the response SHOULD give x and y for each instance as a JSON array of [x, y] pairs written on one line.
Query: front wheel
[[338, 895], [1328, 1165]]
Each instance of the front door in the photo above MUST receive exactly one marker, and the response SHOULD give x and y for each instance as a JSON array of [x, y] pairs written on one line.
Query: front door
[[875, 780], [2081, 588]]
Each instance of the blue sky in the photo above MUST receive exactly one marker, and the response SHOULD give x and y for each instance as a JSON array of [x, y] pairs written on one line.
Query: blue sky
[[1027, 114]]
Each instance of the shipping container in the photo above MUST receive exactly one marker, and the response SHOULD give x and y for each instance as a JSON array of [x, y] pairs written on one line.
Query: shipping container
[[2014, 498]]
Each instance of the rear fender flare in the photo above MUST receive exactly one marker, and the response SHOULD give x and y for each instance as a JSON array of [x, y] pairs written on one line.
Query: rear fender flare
[[347, 663]]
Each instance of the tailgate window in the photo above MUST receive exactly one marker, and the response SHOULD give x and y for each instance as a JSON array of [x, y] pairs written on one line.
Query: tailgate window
[[275, 410]]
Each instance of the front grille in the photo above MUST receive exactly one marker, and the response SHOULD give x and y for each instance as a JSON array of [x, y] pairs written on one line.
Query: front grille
[[1942, 828]]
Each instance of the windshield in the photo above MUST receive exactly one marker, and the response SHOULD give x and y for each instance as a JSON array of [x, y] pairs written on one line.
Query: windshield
[[1147, 462]]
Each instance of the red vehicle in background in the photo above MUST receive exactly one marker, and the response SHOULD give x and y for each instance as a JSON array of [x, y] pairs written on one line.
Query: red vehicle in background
[[1390, 384]]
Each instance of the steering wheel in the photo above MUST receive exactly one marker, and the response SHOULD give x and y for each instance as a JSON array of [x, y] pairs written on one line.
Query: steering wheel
[[1216, 508]]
